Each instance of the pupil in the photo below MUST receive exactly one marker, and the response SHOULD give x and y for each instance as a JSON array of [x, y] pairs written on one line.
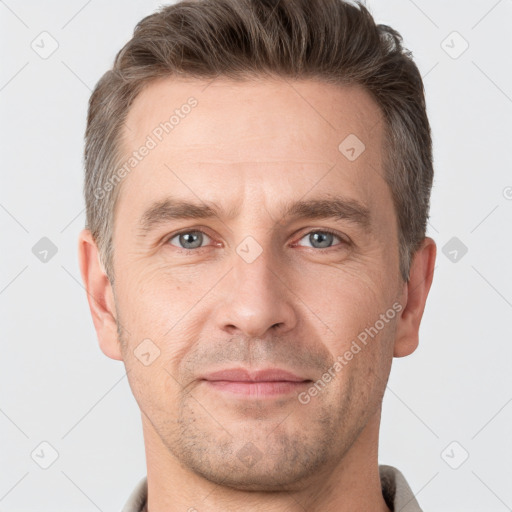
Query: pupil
[[321, 238], [187, 239]]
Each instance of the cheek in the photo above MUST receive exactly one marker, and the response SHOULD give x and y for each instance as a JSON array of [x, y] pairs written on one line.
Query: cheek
[[163, 316], [155, 389], [155, 300], [345, 296], [155, 314], [349, 300]]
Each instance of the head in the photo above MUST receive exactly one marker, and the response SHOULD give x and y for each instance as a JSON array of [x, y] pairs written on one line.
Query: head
[[257, 189]]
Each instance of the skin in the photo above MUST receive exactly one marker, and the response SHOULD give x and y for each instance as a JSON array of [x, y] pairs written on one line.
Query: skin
[[251, 146]]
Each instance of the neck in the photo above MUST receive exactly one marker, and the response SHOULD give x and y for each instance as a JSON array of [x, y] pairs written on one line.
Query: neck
[[352, 483]]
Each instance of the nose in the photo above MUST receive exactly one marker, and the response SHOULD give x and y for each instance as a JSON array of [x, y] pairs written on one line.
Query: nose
[[256, 298]]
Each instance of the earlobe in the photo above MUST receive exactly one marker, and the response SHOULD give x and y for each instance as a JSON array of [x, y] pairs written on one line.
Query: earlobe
[[99, 295], [415, 296]]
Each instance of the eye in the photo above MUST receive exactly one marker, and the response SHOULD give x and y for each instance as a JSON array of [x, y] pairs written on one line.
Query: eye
[[189, 239], [322, 239], [317, 239]]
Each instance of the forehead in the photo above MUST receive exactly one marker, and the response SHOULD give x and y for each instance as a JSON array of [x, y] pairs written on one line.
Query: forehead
[[303, 110], [276, 138]]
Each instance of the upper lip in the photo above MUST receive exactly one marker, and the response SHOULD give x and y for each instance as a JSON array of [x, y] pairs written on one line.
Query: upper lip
[[245, 375]]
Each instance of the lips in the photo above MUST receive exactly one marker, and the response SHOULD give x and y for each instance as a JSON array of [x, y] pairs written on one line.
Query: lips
[[243, 375], [255, 384]]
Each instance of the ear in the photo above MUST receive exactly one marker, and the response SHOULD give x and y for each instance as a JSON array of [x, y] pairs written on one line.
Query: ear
[[414, 297], [99, 295]]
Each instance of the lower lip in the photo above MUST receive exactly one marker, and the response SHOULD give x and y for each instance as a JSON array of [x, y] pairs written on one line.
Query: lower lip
[[258, 389]]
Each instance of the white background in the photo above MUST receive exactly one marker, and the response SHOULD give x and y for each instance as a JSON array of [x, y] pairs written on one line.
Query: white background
[[57, 386]]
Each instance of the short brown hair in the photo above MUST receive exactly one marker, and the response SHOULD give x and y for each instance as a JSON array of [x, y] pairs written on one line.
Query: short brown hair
[[331, 40]]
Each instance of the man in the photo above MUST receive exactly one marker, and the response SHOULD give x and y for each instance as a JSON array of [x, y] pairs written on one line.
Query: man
[[258, 176]]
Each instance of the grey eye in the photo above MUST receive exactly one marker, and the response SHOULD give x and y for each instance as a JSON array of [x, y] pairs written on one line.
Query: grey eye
[[189, 239], [320, 239]]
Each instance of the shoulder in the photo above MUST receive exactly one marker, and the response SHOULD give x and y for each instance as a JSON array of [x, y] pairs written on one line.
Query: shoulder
[[396, 491], [138, 497]]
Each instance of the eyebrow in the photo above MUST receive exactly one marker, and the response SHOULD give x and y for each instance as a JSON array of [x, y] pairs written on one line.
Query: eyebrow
[[339, 208]]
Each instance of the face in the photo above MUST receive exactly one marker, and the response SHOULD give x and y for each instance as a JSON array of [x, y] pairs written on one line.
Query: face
[[288, 258]]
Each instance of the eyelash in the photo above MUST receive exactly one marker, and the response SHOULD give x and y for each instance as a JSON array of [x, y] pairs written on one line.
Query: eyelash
[[343, 240]]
